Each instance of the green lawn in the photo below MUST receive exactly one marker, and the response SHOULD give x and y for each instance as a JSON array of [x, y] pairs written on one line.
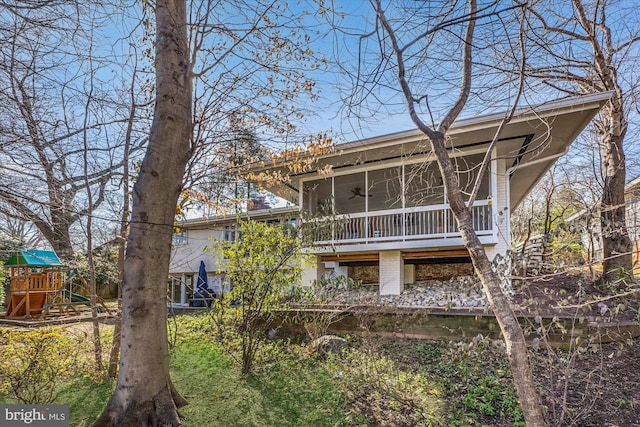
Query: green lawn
[[377, 382], [288, 392]]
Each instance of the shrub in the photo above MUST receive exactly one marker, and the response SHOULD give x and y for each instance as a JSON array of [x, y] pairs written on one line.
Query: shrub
[[261, 264], [34, 364], [105, 261], [321, 292], [383, 392]]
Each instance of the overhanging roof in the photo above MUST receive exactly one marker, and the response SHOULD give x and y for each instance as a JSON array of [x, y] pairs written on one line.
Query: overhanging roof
[[35, 258], [632, 185], [530, 143], [208, 222]]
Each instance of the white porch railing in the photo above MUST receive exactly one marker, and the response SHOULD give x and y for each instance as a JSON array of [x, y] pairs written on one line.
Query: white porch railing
[[425, 222]]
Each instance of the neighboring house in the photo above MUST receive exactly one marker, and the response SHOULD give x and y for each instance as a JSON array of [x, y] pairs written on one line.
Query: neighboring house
[[391, 223], [192, 238], [632, 199], [592, 236]]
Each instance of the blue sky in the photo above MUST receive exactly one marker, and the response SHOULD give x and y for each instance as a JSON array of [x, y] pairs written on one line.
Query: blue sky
[[383, 119]]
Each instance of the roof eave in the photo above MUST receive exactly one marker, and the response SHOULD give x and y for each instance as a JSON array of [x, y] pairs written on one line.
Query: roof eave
[[579, 103]]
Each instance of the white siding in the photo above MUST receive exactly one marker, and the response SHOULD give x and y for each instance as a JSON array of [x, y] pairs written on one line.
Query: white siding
[[186, 258]]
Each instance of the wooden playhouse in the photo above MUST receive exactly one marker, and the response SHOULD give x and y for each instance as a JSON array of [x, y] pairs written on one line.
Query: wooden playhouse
[[36, 277]]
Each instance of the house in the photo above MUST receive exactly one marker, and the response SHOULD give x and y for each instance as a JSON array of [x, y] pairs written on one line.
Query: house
[[189, 248], [391, 221], [632, 200], [385, 218], [590, 222]]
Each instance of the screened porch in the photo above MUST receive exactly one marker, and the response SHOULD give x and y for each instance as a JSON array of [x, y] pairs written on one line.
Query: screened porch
[[402, 202]]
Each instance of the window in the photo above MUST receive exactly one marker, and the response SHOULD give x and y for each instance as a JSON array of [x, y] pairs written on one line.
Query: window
[[229, 233], [423, 185], [350, 193], [317, 196], [385, 189], [179, 238], [409, 186], [468, 168]]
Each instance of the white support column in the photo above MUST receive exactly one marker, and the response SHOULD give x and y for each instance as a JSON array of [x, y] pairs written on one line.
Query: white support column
[[501, 212], [410, 273], [341, 270], [313, 272], [337, 269], [391, 273], [183, 289], [501, 220]]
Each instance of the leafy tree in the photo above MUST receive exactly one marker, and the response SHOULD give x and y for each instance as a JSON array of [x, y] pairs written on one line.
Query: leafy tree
[[262, 264]]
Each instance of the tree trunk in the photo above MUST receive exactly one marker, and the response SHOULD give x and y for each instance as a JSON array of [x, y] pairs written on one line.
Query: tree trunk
[[114, 355], [512, 332], [59, 238], [616, 244], [516, 345], [144, 393]]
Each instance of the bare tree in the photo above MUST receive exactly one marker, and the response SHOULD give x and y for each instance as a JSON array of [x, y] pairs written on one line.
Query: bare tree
[[240, 49], [589, 47], [244, 96], [42, 100], [22, 233], [124, 216], [544, 215], [97, 345], [413, 46], [44, 14], [144, 394]]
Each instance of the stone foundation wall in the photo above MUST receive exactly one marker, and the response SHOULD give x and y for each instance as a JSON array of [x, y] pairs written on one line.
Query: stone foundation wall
[[367, 274], [443, 271], [370, 274]]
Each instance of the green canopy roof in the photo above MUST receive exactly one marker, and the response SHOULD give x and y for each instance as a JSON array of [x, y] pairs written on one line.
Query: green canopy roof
[[35, 258]]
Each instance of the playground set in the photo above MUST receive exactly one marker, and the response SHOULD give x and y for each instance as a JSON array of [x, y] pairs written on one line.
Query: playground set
[[40, 285]]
